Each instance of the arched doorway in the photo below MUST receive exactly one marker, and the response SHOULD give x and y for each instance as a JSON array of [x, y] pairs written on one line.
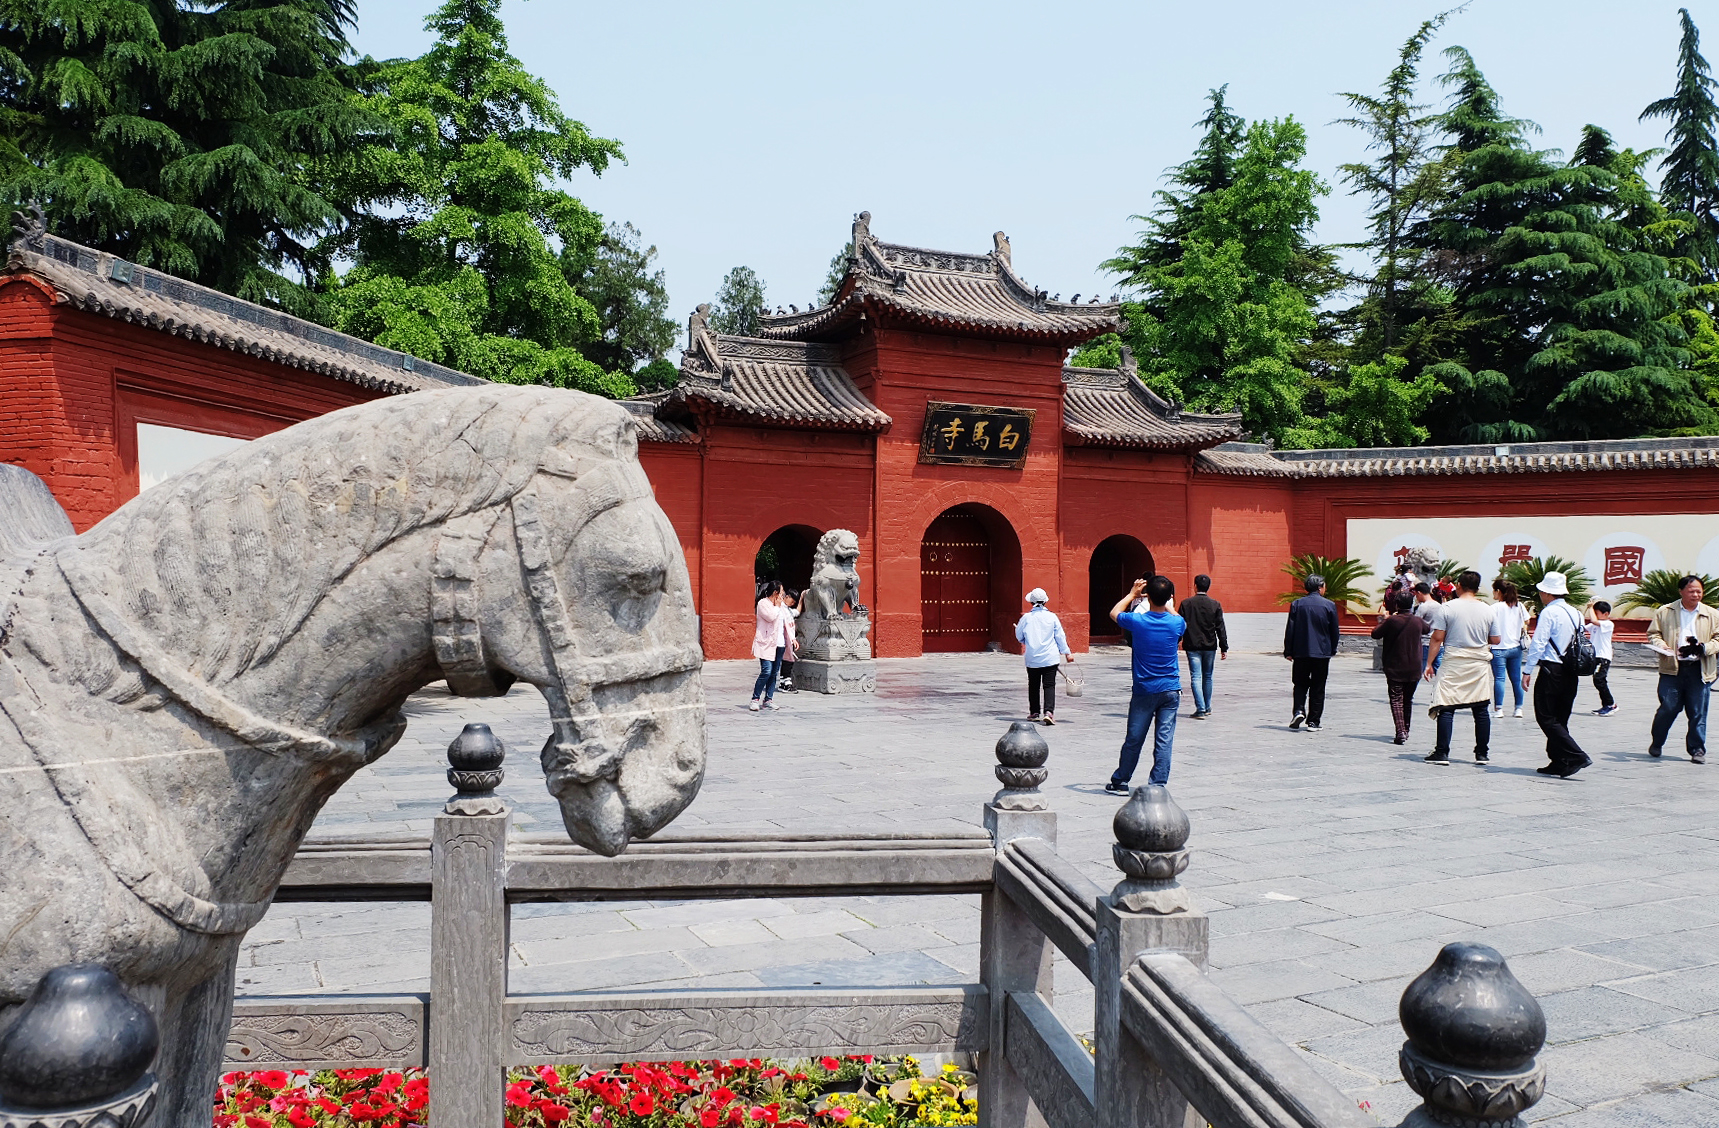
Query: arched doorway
[[1116, 563], [969, 580], [786, 555]]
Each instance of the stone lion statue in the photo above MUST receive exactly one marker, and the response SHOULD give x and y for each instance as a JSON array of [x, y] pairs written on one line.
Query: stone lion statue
[[825, 631]]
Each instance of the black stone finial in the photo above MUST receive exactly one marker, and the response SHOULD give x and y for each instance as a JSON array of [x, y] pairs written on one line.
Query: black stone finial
[[1021, 755], [1151, 836], [1473, 1033], [78, 1040], [474, 768], [1151, 820]]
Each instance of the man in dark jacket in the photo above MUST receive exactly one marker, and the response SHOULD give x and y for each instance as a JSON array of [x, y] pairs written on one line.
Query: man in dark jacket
[[1309, 641], [1205, 642]]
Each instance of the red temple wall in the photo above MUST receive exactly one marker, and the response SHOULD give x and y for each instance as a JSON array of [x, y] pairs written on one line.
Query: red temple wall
[[676, 471], [77, 383], [1239, 534]]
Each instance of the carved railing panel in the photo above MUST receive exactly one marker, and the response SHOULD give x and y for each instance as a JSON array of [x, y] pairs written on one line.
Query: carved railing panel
[[1047, 1056], [1055, 895], [322, 1032]]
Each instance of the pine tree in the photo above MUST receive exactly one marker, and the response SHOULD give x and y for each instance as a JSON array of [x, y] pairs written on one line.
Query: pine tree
[[1402, 183], [1227, 277], [739, 301], [631, 301], [181, 134], [465, 252], [1559, 288], [1690, 184]]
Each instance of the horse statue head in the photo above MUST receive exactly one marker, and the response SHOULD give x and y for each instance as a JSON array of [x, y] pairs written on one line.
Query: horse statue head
[[183, 686]]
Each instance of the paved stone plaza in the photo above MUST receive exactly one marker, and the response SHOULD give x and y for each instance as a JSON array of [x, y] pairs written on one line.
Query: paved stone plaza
[[1333, 866]]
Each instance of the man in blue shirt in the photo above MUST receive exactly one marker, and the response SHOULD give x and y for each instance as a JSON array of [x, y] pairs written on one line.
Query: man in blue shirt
[[1155, 635]]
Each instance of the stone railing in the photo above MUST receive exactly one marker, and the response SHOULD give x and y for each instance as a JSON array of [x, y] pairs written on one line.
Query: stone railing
[[1170, 1048]]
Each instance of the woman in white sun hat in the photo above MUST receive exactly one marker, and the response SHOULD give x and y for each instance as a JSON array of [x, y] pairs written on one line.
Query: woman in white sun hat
[[1042, 641]]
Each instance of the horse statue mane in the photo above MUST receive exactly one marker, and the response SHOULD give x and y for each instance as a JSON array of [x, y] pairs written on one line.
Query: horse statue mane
[[825, 632], [184, 685]]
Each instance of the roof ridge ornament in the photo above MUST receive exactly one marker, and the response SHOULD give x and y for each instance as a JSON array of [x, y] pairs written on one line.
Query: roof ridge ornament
[[29, 228], [1000, 249], [701, 347]]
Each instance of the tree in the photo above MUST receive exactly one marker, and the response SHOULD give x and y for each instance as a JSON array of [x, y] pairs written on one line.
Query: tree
[[833, 277], [1227, 275], [1372, 406], [465, 252], [1402, 182], [1690, 185], [1558, 284], [739, 301], [180, 134], [631, 301]]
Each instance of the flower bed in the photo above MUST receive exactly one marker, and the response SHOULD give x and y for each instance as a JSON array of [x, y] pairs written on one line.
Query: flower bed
[[740, 1093]]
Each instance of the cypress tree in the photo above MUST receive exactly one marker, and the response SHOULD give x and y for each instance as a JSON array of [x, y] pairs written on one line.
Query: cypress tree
[[181, 134], [1690, 167]]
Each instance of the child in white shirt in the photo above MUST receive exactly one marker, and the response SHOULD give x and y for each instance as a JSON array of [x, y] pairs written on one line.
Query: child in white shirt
[[1599, 630]]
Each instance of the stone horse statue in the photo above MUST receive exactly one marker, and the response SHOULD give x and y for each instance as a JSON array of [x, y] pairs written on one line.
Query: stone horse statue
[[184, 686]]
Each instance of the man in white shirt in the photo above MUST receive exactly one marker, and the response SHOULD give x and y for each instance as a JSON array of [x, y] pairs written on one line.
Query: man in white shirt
[[1462, 637], [1554, 686], [1686, 635], [1042, 640]]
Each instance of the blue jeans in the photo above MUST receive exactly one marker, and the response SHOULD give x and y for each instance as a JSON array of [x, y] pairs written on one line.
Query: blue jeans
[[1682, 692], [1506, 667], [1143, 710], [1200, 664], [768, 668]]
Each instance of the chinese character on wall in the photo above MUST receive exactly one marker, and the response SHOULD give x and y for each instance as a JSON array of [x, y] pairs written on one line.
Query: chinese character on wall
[[965, 434], [1401, 554], [1623, 565], [1514, 552]]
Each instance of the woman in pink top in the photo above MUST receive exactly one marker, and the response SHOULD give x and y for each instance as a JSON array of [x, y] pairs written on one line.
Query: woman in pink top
[[770, 640]]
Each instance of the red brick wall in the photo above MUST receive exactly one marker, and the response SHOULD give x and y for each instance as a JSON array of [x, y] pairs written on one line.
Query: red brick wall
[[1240, 536], [74, 384], [676, 471]]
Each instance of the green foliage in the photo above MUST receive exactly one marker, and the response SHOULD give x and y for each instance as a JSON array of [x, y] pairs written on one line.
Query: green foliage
[[1690, 185], [1527, 574], [631, 301], [1342, 575], [463, 251], [1100, 352], [180, 134], [1228, 277], [1659, 587], [739, 301], [1373, 406], [659, 375], [833, 277]]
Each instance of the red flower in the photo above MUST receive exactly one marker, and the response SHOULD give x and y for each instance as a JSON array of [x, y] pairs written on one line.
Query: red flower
[[722, 1095], [328, 1105], [830, 1064], [519, 1094], [299, 1118], [257, 1122], [642, 1104], [710, 1116], [554, 1113], [769, 1114]]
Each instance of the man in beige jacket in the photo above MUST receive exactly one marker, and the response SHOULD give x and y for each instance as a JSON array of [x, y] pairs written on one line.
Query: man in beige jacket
[[1686, 635]]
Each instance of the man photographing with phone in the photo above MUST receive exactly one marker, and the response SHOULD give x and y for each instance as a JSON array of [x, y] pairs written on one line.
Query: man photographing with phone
[[1685, 635]]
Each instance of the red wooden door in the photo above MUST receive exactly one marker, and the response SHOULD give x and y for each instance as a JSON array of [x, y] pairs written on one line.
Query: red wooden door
[[955, 584]]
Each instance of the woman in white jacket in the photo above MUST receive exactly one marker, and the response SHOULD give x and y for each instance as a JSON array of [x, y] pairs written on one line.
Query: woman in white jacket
[[1042, 639]]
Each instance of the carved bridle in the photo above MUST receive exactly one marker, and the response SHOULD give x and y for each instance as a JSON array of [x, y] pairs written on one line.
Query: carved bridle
[[579, 748]]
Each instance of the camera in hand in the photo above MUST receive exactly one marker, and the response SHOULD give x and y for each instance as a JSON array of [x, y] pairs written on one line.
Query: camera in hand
[[1690, 648]]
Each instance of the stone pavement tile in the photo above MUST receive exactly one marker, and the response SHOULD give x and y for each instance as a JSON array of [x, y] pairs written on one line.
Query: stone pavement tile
[[1386, 1104], [1382, 928], [277, 924], [603, 946], [349, 946], [898, 938], [1278, 979], [772, 953], [892, 969], [721, 933], [802, 925], [598, 975], [1589, 1012], [564, 925], [419, 985], [1373, 1003], [702, 912], [278, 979], [1267, 915], [741, 979], [1254, 890], [324, 920], [1276, 944], [1549, 1107], [1622, 1065], [1367, 963], [1697, 1035], [1370, 1051], [1296, 1020], [1671, 1108], [1512, 909], [1530, 936], [1692, 990], [379, 966], [1341, 1076], [964, 958], [1564, 969]]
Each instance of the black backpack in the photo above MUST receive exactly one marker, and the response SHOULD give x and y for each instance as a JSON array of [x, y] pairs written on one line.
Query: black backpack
[[1579, 657]]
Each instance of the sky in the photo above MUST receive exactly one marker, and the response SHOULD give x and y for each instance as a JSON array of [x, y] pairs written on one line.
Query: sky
[[755, 131]]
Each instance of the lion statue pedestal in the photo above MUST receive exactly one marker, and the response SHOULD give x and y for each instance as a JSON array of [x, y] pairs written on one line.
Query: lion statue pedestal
[[834, 645]]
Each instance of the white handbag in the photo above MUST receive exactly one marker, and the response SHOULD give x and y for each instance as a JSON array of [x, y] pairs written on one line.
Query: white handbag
[[1076, 680]]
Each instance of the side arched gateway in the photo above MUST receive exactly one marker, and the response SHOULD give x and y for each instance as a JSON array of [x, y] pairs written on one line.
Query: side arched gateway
[[1116, 563], [969, 579]]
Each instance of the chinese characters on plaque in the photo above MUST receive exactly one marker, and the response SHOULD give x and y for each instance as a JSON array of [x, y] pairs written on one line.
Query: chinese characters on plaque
[[1623, 565], [964, 434]]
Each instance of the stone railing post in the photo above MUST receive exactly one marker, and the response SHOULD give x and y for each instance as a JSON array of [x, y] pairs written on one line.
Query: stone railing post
[[1013, 954], [1148, 910], [1473, 1033], [468, 938]]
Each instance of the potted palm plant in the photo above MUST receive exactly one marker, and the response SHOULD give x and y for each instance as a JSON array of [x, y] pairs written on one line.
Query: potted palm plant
[[1343, 575]]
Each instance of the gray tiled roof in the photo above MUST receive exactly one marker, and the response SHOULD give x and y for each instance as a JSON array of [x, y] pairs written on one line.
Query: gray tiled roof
[[103, 284], [780, 383], [1253, 460], [980, 294], [1111, 407], [651, 428]]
